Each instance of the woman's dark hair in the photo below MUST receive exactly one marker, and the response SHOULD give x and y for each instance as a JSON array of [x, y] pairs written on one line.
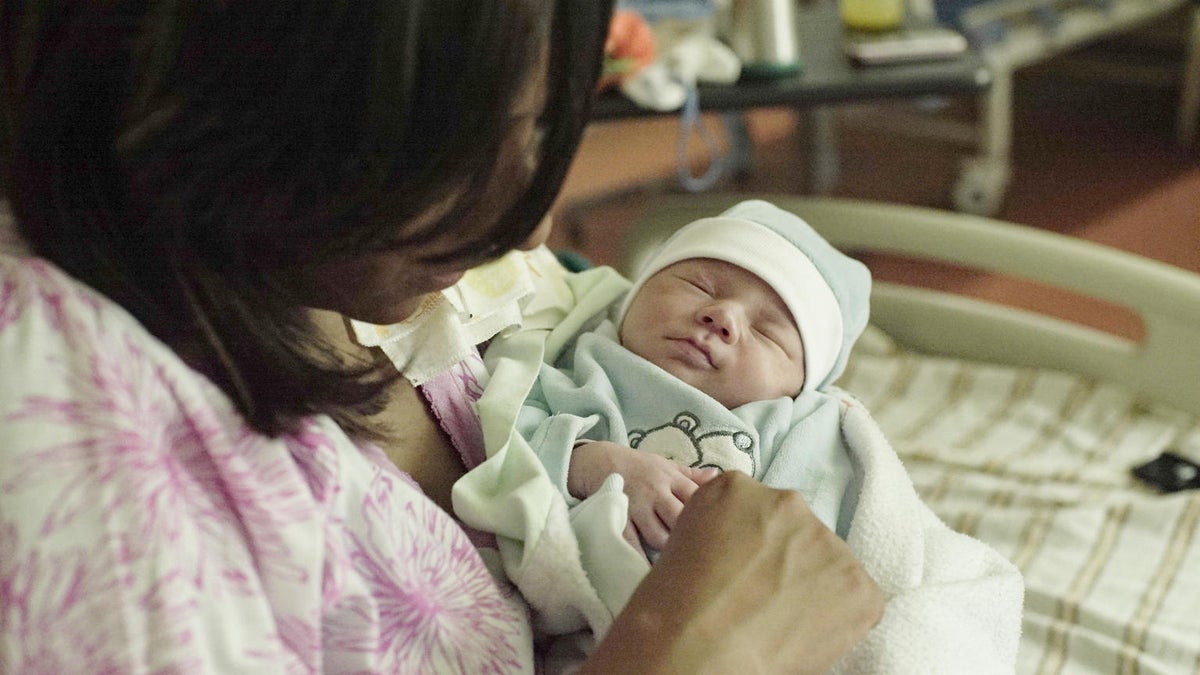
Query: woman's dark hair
[[182, 156]]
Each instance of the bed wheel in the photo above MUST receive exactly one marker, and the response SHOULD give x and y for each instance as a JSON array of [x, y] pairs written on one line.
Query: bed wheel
[[980, 187]]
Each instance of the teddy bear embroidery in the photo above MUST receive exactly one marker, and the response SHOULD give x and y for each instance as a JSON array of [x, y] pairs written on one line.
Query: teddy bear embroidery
[[681, 441]]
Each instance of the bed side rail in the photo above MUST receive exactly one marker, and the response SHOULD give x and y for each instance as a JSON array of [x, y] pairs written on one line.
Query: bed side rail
[[1164, 365]]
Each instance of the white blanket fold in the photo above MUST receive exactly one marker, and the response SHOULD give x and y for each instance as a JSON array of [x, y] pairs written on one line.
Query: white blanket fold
[[953, 603]]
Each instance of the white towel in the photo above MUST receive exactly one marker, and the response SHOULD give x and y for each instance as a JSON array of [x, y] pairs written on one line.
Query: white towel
[[444, 331], [953, 603]]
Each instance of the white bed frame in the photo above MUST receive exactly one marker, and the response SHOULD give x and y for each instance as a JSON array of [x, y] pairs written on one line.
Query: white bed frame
[[1165, 366], [985, 177], [1025, 40]]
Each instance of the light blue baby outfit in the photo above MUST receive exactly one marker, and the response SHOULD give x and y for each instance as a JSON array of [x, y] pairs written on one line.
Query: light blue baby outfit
[[569, 558], [601, 391], [598, 390]]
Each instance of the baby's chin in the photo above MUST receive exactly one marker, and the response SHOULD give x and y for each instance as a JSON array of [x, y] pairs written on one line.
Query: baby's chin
[[737, 399], [729, 400]]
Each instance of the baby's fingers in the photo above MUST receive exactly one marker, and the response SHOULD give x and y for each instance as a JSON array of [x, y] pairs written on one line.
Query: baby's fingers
[[703, 474], [630, 534], [683, 489], [653, 531], [668, 511]]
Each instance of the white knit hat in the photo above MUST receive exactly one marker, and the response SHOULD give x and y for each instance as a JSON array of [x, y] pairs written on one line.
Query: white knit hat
[[826, 291]]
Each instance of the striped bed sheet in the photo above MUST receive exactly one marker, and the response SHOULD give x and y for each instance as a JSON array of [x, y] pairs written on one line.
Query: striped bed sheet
[[1038, 464]]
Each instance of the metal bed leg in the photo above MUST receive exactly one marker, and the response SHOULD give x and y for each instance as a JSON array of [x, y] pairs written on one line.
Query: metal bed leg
[[984, 178], [819, 132], [1189, 99], [741, 146]]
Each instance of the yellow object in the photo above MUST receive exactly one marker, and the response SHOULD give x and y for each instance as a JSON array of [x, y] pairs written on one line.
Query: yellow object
[[872, 14]]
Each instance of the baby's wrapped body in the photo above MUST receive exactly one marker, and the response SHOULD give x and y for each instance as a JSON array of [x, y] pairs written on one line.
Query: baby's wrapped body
[[601, 391], [954, 604]]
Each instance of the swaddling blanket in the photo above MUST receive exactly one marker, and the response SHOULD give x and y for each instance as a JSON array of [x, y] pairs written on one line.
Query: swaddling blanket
[[953, 604], [598, 390]]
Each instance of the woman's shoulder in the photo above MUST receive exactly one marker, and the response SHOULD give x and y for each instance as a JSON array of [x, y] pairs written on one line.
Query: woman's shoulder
[[77, 365], [30, 285], [136, 479], [52, 325]]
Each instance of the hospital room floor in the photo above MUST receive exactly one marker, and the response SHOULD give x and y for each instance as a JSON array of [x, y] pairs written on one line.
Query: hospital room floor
[[1091, 159]]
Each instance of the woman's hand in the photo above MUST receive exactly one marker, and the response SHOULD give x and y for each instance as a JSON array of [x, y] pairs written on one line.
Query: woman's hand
[[750, 581], [656, 486]]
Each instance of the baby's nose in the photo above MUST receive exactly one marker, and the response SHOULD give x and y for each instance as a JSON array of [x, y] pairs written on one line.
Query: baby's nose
[[721, 320]]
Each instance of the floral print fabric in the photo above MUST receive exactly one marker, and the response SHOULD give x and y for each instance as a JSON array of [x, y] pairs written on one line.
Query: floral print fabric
[[145, 528]]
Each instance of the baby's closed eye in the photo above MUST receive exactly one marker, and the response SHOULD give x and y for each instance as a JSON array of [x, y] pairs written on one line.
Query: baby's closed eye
[[699, 284]]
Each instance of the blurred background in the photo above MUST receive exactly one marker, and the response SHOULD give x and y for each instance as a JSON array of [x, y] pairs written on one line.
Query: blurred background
[[1096, 153]]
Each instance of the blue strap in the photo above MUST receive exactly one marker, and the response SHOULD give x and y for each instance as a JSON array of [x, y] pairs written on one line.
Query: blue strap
[[689, 119]]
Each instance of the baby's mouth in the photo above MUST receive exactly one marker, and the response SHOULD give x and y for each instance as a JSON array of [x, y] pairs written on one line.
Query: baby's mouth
[[700, 349]]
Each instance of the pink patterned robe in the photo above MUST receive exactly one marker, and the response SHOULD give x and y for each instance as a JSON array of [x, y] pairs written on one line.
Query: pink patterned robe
[[145, 528]]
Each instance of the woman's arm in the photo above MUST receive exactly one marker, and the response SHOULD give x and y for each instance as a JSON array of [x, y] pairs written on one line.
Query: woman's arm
[[750, 581]]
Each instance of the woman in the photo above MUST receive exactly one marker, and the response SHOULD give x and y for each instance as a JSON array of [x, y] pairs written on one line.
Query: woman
[[191, 473]]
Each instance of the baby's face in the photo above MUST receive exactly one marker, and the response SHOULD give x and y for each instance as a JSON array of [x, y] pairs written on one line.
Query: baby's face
[[719, 328]]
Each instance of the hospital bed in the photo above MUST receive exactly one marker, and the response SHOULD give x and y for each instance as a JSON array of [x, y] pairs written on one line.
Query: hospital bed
[[1011, 35], [1022, 429]]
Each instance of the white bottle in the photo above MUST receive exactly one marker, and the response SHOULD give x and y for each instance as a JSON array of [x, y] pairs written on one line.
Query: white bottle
[[763, 35]]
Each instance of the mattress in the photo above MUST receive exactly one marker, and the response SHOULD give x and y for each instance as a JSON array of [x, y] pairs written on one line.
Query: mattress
[[1038, 463]]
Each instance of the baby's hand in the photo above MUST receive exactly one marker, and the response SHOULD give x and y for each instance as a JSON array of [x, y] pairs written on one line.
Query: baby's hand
[[657, 487]]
